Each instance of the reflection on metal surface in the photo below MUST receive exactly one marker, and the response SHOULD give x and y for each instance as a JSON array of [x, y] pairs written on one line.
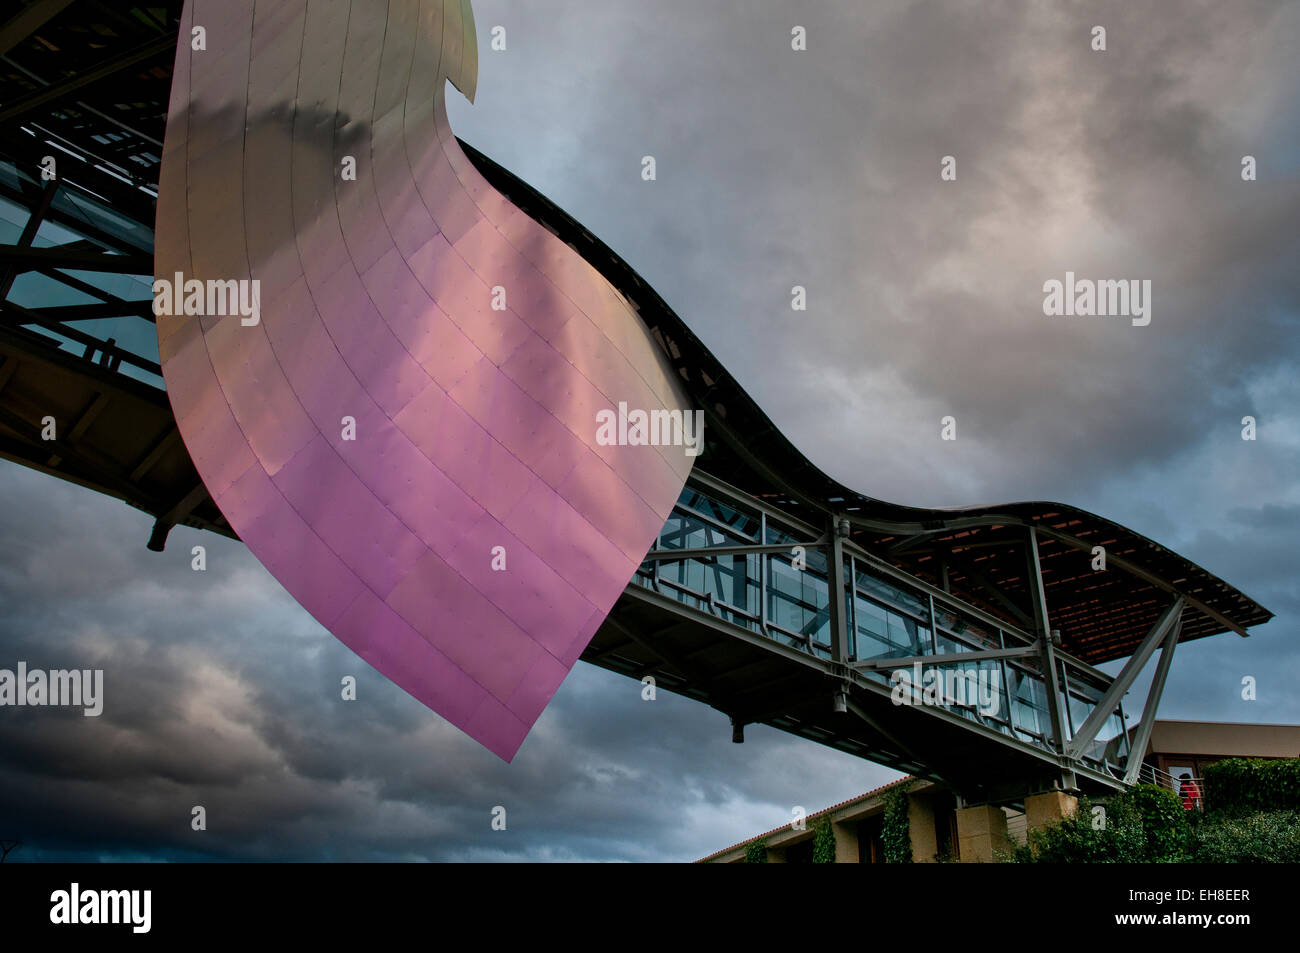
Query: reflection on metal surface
[[475, 429]]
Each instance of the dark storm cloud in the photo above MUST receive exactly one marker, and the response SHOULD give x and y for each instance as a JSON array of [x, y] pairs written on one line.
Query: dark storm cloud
[[775, 168], [220, 691], [822, 168]]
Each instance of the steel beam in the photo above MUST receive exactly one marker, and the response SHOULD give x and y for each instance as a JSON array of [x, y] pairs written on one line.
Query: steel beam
[[701, 552], [27, 259], [1001, 519], [1145, 576], [689, 674], [900, 746], [56, 91], [108, 348], [1138, 745], [183, 508], [25, 196], [999, 596], [951, 658], [1169, 620], [1042, 623], [33, 225], [96, 312], [27, 21]]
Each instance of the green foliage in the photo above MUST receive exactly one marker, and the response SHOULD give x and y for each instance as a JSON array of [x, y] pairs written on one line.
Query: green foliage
[[1144, 825], [1148, 824], [1165, 823], [1079, 840], [1265, 838], [823, 843], [756, 852], [1241, 786], [897, 833]]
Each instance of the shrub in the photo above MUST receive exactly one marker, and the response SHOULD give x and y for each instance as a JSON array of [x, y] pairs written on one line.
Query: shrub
[[1266, 838], [897, 826], [1168, 833], [1250, 785], [1144, 825], [756, 852], [1077, 840], [1148, 824], [823, 843]]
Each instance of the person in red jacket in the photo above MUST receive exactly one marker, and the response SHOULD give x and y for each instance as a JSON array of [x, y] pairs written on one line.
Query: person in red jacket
[[1191, 792]]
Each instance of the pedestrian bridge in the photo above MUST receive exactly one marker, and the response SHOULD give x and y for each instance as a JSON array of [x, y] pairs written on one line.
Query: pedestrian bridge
[[959, 645]]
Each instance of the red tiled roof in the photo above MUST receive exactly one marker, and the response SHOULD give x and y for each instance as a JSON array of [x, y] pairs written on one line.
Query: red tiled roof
[[828, 810]]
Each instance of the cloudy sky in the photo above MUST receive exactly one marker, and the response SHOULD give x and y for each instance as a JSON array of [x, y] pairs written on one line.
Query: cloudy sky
[[775, 168]]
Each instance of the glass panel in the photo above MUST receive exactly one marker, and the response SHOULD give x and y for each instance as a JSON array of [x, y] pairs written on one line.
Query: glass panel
[[888, 618], [888, 591], [742, 525], [34, 290], [798, 600], [1028, 702], [13, 218], [684, 530], [880, 632], [728, 579], [975, 689], [777, 536], [126, 287], [130, 334], [1110, 744], [959, 623], [103, 218]]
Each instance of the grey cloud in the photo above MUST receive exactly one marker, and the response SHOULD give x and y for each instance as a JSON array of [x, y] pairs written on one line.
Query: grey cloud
[[775, 169]]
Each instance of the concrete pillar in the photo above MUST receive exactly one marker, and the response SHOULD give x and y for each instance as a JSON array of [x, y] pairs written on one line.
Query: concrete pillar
[[1049, 808], [920, 819], [981, 830], [846, 843]]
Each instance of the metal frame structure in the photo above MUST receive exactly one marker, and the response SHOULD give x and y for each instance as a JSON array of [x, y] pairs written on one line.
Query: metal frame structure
[[87, 84], [850, 684], [88, 81]]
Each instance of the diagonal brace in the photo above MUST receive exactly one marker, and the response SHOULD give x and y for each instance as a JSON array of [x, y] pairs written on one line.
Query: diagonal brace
[[1169, 621], [1138, 745]]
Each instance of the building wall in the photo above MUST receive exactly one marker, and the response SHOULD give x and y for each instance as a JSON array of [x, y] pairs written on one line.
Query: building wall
[[1219, 740], [1017, 825], [856, 825], [1174, 744]]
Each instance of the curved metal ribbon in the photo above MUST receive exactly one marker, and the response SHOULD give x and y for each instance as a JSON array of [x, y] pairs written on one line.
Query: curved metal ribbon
[[473, 428]]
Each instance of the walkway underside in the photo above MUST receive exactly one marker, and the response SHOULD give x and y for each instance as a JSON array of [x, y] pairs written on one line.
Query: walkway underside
[[752, 680]]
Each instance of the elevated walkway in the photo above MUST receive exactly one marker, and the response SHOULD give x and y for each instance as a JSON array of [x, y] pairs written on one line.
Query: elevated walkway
[[774, 593]]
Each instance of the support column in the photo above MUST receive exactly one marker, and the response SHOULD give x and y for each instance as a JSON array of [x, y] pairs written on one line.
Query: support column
[[1169, 621], [1047, 653], [835, 589], [920, 823], [981, 831], [1050, 807], [846, 843]]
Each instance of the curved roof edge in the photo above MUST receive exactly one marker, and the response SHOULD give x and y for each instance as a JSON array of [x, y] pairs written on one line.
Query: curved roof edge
[[756, 457]]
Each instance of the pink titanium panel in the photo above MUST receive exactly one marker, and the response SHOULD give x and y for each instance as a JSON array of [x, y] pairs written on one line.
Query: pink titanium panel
[[415, 404]]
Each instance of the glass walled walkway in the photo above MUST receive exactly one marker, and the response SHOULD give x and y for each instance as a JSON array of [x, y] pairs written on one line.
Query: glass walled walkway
[[723, 553]]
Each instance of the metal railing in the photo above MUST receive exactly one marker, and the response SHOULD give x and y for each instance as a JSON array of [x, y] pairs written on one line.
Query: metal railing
[[1149, 774]]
